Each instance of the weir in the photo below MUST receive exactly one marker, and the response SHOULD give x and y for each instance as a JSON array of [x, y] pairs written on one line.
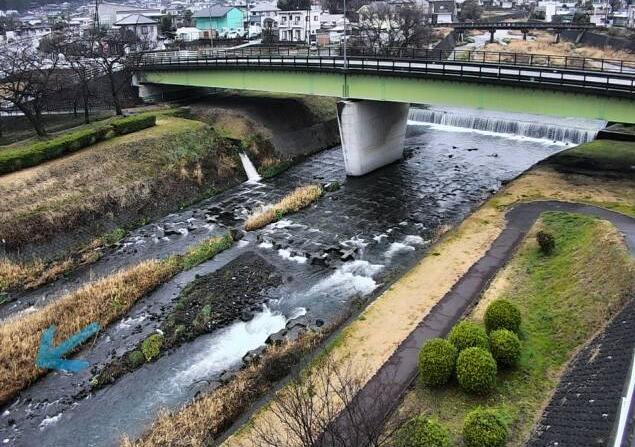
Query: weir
[[571, 131]]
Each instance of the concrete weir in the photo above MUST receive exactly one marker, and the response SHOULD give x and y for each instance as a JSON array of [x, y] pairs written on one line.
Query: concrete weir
[[372, 133]]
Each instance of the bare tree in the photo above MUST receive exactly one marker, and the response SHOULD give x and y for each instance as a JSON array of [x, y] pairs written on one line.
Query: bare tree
[[389, 28], [116, 55], [27, 79], [320, 408]]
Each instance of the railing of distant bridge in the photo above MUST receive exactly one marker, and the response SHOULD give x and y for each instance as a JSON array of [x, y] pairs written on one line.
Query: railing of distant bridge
[[612, 76], [457, 55]]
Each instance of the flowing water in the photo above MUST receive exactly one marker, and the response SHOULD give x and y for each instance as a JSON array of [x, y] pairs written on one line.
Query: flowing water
[[250, 169], [385, 221]]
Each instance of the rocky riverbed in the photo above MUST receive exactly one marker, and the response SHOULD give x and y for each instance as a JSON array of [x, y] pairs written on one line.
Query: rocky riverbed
[[344, 249]]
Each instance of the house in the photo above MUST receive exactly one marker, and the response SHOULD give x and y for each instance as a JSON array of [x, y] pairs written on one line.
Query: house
[[145, 28], [299, 26], [261, 11], [188, 34], [630, 23], [443, 11], [219, 19]]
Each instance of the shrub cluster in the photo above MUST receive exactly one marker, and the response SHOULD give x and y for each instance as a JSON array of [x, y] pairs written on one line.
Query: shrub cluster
[[476, 370], [151, 346], [505, 347], [437, 359], [467, 334], [421, 431], [23, 157], [502, 314], [546, 242], [133, 123], [484, 428]]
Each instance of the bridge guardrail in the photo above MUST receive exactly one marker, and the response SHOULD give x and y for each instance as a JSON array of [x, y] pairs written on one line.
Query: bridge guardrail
[[618, 82], [459, 55]]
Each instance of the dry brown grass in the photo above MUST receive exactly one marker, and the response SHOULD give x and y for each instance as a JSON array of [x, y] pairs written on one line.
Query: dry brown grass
[[102, 301], [197, 424], [606, 53], [31, 275], [300, 198]]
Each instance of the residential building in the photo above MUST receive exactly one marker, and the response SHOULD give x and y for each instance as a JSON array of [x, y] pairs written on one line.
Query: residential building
[[218, 19], [145, 28], [299, 26], [188, 34], [631, 16], [443, 11], [261, 11]]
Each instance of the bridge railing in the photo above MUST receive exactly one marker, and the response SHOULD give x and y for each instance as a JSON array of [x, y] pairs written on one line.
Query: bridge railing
[[458, 55]]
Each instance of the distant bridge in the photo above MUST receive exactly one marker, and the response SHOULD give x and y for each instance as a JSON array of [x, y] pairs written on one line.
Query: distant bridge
[[515, 26], [371, 129]]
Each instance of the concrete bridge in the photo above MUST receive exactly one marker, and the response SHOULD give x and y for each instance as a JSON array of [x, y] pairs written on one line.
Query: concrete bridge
[[376, 90]]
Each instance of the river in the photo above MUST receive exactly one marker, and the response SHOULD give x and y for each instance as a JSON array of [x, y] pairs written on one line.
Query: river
[[384, 221]]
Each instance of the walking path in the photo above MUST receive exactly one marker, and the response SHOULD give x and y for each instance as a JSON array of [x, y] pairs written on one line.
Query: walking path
[[396, 375]]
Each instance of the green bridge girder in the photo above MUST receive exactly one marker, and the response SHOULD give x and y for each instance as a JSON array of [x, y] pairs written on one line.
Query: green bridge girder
[[543, 100]]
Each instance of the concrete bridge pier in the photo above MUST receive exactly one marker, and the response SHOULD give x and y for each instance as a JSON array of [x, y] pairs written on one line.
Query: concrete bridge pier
[[372, 133]]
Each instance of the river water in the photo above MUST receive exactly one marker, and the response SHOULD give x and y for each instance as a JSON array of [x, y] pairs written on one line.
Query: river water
[[385, 220]]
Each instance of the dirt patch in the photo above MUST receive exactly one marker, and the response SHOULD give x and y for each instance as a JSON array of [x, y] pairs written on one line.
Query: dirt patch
[[209, 303]]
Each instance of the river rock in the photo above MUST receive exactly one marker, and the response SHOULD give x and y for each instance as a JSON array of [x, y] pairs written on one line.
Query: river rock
[[295, 333], [254, 355], [277, 338], [226, 376], [348, 255], [246, 316], [301, 321], [236, 234]]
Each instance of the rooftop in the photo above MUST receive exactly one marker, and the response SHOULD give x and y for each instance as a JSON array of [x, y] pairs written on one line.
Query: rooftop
[[136, 19], [214, 11]]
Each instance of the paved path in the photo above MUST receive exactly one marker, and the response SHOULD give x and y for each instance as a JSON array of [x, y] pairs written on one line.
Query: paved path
[[382, 393]]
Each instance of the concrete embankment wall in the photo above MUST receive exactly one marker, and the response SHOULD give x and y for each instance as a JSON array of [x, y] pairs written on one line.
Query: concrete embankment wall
[[599, 40]]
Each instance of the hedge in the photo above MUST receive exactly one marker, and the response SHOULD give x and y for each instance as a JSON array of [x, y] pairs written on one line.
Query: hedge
[[24, 157], [133, 123]]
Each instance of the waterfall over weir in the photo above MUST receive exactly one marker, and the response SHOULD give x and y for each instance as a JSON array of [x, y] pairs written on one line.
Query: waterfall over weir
[[250, 169], [564, 130]]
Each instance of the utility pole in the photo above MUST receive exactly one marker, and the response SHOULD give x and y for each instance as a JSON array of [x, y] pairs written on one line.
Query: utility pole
[[96, 19]]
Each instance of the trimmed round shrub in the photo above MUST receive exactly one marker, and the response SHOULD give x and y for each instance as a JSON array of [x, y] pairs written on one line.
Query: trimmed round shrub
[[505, 347], [476, 370], [437, 359], [467, 334], [421, 431], [484, 428], [502, 314]]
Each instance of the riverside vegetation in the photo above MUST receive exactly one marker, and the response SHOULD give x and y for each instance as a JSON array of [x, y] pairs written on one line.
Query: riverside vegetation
[[103, 302], [483, 405]]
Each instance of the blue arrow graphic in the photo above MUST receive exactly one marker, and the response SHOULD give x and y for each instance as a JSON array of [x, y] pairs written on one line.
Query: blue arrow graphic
[[50, 357]]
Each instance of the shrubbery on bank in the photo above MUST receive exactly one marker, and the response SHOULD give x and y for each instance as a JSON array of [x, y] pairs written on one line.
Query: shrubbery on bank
[[24, 157]]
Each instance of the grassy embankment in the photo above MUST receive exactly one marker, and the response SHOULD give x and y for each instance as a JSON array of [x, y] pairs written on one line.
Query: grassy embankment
[[103, 301], [293, 202], [564, 299], [109, 185]]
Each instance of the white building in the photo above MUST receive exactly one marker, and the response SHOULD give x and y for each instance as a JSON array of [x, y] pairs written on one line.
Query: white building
[[145, 28], [631, 16], [298, 26], [188, 34], [261, 11]]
